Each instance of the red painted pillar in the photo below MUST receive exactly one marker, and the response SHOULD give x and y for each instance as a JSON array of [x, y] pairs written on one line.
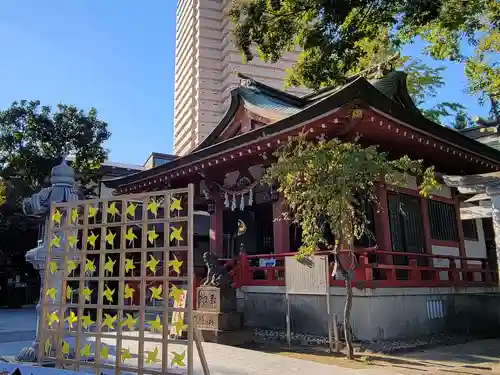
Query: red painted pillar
[[216, 231], [461, 239], [281, 228], [382, 227], [424, 209]]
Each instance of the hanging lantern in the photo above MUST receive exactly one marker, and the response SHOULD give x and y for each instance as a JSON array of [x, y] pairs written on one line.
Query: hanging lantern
[[211, 206], [226, 200]]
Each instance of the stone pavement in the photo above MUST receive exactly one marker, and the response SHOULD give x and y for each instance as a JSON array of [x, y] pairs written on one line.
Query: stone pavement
[[17, 330]]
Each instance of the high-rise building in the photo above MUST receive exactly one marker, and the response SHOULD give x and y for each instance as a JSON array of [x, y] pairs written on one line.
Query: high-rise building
[[205, 62]]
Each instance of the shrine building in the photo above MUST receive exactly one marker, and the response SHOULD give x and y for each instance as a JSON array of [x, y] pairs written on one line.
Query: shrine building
[[424, 270]]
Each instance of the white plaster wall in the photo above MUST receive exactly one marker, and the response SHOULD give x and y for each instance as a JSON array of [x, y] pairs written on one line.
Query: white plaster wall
[[445, 250], [411, 182], [442, 191], [476, 249]]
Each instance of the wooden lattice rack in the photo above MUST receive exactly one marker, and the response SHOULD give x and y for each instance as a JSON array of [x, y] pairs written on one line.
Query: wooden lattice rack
[[114, 269]]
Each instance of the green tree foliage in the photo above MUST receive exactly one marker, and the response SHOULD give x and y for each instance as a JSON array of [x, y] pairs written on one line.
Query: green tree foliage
[[461, 25], [339, 38], [323, 180], [33, 138], [323, 184]]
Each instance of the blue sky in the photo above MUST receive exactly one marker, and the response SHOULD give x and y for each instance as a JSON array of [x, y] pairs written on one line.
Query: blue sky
[[117, 56]]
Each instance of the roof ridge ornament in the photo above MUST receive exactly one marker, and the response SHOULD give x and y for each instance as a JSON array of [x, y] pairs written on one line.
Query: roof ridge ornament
[[247, 82]]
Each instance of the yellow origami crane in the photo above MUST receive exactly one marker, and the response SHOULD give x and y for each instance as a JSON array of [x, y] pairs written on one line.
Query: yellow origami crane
[[86, 292], [87, 321], [152, 263], [92, 211], [130, 236], [110, 238], [179, 327], [108, 266], [89, 265], [72, 241], [129, 264], [52, 267], [130, 322], [55, 241], [152, 236], [176, 265], [128, 292], [85, 351], [71, 318], [155, 325], [108, 294], [48, 344], [156, 293], [131, 209], [92, 239], [175, 205], [178, 359], [51, 292], [70, 266], [52, 318], [153, 207], [176, 234], [56, 216], [69, 292], [109, 321], [65, 347], [104, 351], [175, 293], [125, 355], [152, 356], [112, 210], [74, 215]]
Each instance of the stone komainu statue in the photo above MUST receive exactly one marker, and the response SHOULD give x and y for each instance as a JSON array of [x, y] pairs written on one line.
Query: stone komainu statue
[[216, 274]]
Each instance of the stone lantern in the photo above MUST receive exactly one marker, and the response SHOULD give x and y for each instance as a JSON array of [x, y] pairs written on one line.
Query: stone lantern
[[62, 189]]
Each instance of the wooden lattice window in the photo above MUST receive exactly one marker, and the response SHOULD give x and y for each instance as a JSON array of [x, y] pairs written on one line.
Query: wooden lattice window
[[130, 261], [406, 224], [470, 230], [443, 220]]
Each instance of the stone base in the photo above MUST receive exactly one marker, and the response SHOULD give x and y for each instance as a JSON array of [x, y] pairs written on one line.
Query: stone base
[[214, 321], [210, 298], [233, 338]]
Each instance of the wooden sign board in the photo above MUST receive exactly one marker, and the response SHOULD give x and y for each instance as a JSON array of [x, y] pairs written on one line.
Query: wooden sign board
[[178, 315], [307, 275]]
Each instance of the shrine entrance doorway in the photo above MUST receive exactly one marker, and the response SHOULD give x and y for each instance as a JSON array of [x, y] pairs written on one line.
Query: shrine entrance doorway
[[251, 228]]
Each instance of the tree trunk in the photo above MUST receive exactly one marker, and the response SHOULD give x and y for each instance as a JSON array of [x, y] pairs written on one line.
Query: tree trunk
[[347, 306], [347, 318]]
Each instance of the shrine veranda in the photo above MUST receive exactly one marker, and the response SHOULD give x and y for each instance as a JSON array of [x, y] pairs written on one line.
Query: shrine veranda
[[124, 265]]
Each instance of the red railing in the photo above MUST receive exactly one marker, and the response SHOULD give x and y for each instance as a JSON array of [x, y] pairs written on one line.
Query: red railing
[[375, 269]]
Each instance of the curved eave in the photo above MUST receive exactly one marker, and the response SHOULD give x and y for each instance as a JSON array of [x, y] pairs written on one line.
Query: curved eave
[[358, 89], [223, 123]]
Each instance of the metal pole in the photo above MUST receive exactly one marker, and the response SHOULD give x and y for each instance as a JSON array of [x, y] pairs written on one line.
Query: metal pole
[[288, 323], [328, 308]]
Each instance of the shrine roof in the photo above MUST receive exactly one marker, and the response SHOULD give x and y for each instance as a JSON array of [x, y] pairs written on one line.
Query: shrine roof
[[388, 95]]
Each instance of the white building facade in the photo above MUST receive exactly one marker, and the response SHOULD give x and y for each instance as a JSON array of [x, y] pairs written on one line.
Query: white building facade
[[205, 62]]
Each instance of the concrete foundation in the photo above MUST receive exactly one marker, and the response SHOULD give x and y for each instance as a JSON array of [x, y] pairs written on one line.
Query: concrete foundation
[[378, 314]]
